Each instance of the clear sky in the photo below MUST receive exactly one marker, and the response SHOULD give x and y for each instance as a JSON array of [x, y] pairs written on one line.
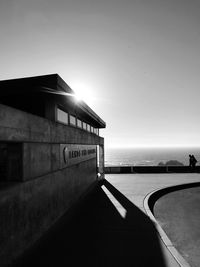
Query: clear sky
[[138, 60]]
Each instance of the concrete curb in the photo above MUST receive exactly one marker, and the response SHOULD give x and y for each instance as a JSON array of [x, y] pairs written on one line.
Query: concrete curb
[[149, 202]]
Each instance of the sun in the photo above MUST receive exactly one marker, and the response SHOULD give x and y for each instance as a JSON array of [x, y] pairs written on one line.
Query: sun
[[83, 93]]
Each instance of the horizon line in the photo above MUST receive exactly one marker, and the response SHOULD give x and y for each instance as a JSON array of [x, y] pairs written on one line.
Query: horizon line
[[151, 146]]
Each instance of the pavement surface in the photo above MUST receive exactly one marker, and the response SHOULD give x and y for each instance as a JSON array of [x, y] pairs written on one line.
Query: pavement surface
[[137, 186], [178, 213], [110, 228]]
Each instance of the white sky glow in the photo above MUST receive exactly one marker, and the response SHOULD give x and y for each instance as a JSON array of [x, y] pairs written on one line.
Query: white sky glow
[[83, 92], [135, 63]]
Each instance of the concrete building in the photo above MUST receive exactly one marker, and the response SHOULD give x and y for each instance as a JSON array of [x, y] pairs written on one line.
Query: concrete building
[[50, 156]]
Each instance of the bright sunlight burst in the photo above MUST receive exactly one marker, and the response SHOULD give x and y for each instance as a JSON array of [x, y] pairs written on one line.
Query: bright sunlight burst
[[83, 93]]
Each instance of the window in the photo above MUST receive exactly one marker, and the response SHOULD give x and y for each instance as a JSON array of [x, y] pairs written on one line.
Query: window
[[92, 129], [72, 120], [79, 123], [62, 116], [84, 126], [88, 127]]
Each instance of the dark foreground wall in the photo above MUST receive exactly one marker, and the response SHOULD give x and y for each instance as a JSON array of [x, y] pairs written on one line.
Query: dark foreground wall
[[28, 209], [48, 186]]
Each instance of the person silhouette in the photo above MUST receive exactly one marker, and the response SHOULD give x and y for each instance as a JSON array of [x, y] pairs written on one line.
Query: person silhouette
[[192, 162]]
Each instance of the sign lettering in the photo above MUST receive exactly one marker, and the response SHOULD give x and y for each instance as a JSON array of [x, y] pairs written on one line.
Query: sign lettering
[[74, 154]]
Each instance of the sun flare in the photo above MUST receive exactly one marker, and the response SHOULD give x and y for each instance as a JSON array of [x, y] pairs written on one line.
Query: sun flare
[[83, 93]]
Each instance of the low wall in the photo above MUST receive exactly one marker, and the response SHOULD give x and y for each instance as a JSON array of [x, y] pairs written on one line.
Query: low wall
[[149, 169]]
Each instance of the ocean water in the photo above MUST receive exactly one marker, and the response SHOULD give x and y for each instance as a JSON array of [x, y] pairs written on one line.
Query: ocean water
[[148, 156]]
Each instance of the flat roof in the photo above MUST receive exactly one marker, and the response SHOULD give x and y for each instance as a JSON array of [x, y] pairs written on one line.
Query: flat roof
[[50, 84]]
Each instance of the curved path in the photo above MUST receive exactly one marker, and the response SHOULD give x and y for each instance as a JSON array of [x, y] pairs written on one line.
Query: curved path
[[110, 227], [137, 188], [178, 213]]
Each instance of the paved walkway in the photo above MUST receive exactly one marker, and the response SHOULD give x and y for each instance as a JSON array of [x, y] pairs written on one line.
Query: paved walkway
[[137, 186], [179, 215], [110, 228]]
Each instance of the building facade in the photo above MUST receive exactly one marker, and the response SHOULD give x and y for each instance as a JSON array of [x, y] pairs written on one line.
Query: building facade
[[51, 154]]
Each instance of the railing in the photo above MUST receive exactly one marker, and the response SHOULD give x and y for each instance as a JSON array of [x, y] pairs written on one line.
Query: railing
[[150, 169]]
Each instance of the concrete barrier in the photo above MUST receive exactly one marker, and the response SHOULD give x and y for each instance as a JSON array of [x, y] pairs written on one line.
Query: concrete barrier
[[149, 169]]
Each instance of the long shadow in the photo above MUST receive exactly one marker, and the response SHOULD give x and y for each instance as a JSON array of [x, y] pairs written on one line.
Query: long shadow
[[97, 235]]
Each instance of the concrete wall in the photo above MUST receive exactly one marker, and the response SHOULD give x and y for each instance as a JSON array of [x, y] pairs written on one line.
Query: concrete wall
[[149, 169], [46, 190], [29, 208], [16, 125]]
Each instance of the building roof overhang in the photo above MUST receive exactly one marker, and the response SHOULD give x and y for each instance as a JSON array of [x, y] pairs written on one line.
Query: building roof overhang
[[49, 84]]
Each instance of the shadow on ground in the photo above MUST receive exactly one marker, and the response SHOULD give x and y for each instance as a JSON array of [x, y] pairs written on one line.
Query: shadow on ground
[[97, 235]]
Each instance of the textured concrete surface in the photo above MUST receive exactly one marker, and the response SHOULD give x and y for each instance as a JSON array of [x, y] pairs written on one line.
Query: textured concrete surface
[[36, 188], [99, 236], [28, 209], [42, 190], [111, 228], [16, 125], [137, 186], [178, 213]]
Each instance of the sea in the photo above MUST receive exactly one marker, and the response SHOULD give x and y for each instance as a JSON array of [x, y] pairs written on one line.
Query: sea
[[148, 156]]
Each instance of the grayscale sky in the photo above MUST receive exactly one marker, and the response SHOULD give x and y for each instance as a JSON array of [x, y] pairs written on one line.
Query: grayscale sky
[[137, 61]]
